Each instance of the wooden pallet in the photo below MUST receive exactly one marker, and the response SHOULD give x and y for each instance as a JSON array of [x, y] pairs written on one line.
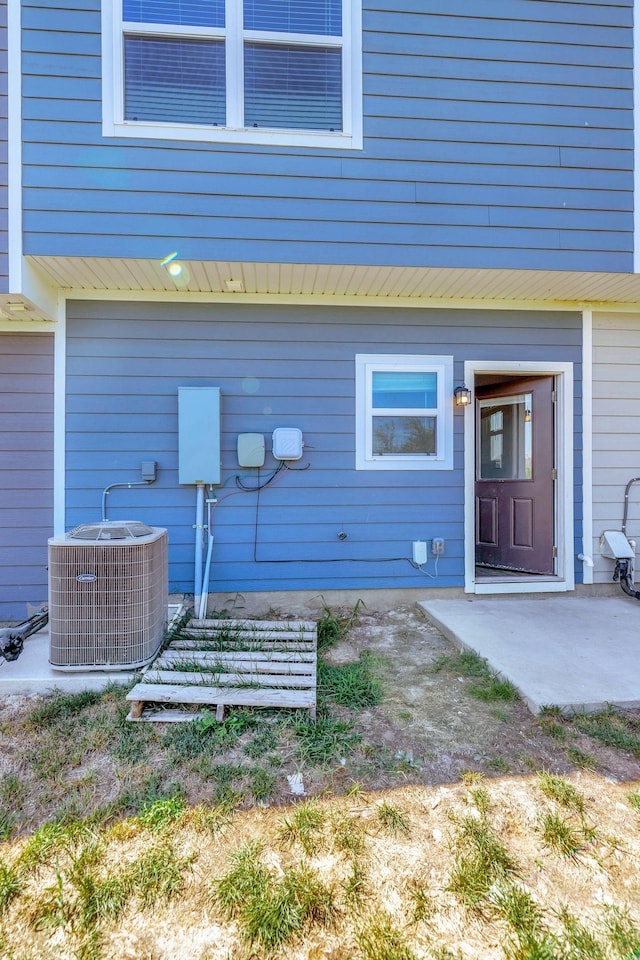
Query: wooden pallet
[[220, 663]]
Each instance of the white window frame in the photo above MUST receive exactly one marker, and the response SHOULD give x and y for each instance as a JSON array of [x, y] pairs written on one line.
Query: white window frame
[[366, 366], [114, 124]]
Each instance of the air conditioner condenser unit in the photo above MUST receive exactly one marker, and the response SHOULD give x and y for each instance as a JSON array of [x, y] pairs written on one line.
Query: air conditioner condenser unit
[[108, 594]]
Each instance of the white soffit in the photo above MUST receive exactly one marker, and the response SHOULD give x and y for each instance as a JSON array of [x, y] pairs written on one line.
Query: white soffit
[[111, 275]]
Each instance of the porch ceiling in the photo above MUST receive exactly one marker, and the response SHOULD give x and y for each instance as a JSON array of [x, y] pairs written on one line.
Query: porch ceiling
[[96, 274]]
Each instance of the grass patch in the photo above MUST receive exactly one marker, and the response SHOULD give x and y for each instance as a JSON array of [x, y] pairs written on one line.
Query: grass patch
[[325, 739], [270, 912], [581, 759], [261, 784], [350, 684], [333, 626], [481, 860], [59, 705], [381, 940], [612, 728], [558, 789], [560, 834], [485, 685], [305, 825], [392, 818], [160, 813]]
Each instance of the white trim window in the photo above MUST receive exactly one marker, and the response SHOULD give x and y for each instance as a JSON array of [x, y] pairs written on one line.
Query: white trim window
[[404, 412], [283, 72]]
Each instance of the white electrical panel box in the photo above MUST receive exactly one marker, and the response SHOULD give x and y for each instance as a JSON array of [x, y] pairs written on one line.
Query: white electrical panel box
[[287, 443], [199, 435], [251, 449]]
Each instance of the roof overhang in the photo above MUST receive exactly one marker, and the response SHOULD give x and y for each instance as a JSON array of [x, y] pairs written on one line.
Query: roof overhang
[[114, 278]]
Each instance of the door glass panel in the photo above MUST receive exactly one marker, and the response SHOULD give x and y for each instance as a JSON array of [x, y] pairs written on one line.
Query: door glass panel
[[398, 435], [506, 448]]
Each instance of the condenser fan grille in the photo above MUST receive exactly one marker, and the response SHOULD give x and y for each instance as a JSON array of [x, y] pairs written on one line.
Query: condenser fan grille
[[107, 601]]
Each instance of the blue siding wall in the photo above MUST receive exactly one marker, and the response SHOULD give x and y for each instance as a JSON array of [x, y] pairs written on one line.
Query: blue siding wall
[[4, 244], [279, 366], [26, 470], [495, 135]]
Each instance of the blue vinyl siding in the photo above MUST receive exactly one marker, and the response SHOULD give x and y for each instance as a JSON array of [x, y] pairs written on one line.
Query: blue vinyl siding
[[26, 470], [4, 196], [494, 136], [279, 366]]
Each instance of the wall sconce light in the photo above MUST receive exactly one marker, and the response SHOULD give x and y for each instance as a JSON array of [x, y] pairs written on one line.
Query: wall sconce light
[[462, 396]]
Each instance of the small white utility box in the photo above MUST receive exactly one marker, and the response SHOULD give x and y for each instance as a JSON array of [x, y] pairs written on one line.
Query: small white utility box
[[615, 546], [287, 443]]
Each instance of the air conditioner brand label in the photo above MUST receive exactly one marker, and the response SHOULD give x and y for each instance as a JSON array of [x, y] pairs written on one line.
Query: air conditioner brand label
[[86, 578]]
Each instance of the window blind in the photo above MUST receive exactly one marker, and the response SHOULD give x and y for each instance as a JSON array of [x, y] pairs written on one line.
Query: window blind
[[196, 13], [293, 87], [294, 16], [174, 80]]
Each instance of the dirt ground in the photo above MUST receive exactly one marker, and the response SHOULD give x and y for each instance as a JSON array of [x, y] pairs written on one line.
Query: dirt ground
[[429, 716]]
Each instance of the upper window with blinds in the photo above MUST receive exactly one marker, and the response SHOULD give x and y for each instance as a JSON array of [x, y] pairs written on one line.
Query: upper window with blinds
[[253, 71]]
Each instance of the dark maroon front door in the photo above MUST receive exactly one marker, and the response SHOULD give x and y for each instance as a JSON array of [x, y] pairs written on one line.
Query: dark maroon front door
[[515, 476]]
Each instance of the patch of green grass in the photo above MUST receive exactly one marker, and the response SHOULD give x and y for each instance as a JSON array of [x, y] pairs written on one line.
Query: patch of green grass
[[160, 813], [350, 684], [611, 728], [356, 886], [558, 789], [271, 912], [486, 685], [424, 904], [499, 764], [42, 846], [13, 791], [158, 874], [553, 729], [519, 910], [11, 882], [492, 689], [577, 940], [381, 940], [560, 834], [634, 799], [334, 626], [263, 741], [465, 664], [621, 933], [261, 784], [580, 759], [392, 818], [348, 835], [305, 825], [480, 858], [325, 739], [62, 705]]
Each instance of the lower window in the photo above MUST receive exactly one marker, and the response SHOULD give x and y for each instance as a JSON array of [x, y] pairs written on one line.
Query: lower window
[[404, 412]]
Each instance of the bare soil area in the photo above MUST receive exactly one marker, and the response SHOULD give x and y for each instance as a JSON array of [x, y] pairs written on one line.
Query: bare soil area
[[441, 820]]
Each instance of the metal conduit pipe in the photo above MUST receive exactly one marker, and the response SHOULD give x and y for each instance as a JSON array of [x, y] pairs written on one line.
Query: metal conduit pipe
[[626, 503]]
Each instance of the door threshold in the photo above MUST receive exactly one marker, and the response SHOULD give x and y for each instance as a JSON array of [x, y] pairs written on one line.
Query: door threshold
[[535, 584]]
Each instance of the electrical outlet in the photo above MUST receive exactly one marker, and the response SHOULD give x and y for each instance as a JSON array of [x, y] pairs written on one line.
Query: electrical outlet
[[437, 546]]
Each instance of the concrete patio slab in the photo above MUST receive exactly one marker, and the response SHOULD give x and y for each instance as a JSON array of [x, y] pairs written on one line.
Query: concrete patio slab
[[32, 673], [577, 653]]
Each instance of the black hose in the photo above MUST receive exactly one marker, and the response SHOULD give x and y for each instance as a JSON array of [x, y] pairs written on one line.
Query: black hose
[[622, 574]]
